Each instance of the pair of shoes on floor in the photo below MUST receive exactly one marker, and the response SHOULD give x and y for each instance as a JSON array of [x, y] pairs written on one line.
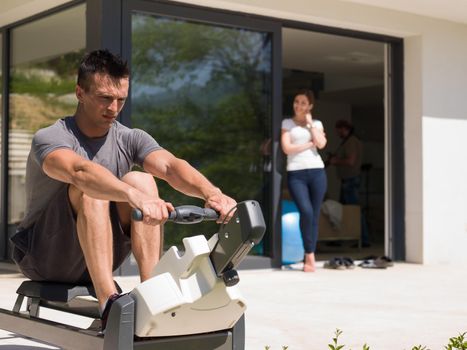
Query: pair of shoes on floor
[[108, 306], [373, 262], [339, 263]]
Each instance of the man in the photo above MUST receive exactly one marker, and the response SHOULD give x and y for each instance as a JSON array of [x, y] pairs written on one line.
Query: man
[[81, 190], [348, 162]]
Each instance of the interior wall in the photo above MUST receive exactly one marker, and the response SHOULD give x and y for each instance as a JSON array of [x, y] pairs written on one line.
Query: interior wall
[[435, 81]]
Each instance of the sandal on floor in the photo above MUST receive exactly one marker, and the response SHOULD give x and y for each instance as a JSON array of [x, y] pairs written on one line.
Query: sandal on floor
[[384, 261], [348, 263], [335, 263], [371, 264]]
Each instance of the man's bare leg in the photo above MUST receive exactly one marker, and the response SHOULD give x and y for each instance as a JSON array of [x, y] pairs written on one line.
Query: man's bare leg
[[95, 237], [145, 239]]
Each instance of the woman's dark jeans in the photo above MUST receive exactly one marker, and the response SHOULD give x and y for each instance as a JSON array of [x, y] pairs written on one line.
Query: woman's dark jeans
[[307, 188]]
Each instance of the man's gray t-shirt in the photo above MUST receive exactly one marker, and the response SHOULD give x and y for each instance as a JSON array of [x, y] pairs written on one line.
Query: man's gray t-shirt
[[118, 151]]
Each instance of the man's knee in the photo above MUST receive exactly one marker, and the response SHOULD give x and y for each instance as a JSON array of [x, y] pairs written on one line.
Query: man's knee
[[82, 203], [142, 181]]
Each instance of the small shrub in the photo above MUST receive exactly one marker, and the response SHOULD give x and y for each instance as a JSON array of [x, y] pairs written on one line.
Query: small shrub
[[457, 343], [335, 341]]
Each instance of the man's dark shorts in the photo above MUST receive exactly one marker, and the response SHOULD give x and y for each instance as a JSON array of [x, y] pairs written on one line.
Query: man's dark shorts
[[50, 249]]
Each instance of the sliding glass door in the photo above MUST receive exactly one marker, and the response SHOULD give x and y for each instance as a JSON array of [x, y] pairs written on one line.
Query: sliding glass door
[[203, 88]]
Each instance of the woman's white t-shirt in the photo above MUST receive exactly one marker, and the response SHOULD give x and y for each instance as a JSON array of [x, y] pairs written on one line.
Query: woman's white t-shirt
[[309, 158]]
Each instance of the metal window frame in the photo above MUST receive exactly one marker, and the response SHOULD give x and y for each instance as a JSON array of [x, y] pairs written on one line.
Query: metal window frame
[[396, 155], [4, 195]]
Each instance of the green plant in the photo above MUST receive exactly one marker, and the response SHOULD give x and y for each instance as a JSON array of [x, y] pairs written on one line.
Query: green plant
[[419, 347], [457, 343], [335, 344]]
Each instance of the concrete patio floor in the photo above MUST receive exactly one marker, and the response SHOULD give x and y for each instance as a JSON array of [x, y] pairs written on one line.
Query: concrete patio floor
[[391, 309]]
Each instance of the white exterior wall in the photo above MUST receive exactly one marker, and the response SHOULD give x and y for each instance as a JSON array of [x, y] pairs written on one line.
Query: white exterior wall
[[444, 144], [435, 56]]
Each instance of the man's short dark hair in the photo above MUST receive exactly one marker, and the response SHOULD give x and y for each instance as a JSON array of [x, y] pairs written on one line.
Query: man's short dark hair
[[345, 124], [103, 62]]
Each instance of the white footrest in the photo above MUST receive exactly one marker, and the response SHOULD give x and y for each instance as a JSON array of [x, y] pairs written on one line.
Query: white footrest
[[185, 296]]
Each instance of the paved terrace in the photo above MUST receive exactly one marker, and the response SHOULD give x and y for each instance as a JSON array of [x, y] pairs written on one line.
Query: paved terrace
[[392, 309]]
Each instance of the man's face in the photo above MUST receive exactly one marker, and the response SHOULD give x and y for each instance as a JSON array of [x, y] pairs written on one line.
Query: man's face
[[104, 100], [342, 132]]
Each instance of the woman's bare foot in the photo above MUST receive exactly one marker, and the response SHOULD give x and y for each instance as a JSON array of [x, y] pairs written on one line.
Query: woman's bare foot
[[309, 263]]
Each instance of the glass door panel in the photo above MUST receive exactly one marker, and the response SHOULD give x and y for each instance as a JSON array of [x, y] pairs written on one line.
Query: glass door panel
[[203, 91]]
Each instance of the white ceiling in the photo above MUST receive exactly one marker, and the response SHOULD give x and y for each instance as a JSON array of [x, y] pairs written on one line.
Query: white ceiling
[[331, 54], [14, 10], [8, 5], [351, 67]]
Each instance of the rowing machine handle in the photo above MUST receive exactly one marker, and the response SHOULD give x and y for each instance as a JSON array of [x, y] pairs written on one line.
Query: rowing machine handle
[[184, 214]]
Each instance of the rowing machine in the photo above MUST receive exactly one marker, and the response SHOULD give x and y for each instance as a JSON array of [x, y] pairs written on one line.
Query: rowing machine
[[191, 302]]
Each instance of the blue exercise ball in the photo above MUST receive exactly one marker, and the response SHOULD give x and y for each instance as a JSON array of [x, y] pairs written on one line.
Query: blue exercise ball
[[292, 243]]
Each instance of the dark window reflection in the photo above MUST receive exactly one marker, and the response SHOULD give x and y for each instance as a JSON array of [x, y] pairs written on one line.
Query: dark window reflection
[[204, 93]]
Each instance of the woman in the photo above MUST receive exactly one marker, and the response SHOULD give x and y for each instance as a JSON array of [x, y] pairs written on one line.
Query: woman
[[301, 138]]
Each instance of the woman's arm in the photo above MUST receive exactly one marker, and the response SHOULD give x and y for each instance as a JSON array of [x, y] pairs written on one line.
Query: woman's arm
[[318, 137], [289, 148]]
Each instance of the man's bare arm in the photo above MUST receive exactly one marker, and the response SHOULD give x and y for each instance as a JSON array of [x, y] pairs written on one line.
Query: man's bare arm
[[186, 179], [91, 178], [179, 174], [98, 182]]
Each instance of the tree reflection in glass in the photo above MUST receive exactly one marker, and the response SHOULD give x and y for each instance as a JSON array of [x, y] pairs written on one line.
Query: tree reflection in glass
[[204, 93]]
